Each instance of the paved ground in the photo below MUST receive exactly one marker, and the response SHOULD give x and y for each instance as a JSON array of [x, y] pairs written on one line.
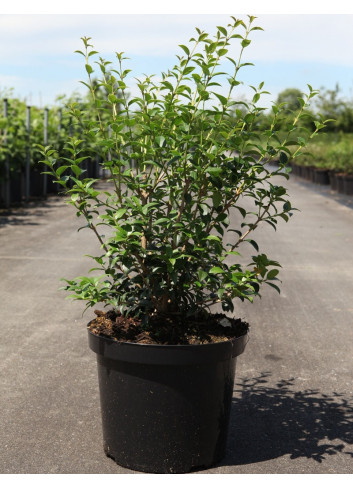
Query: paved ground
[[293, 399]]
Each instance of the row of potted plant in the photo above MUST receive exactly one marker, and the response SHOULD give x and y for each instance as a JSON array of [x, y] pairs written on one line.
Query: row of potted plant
[[328, 162], [22, 128], [23, 186], [340, 182]]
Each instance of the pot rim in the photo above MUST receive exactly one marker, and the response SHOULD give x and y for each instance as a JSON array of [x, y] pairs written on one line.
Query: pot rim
[[166, 354]]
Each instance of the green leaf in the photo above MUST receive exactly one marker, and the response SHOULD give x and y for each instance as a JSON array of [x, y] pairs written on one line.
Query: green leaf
[[160, 140], [287, 206], [185, 49], [214, 171], [221, 98], [216, 270], [301, 141], [272, 274], [216, 199], [223, 30], [188, 70], [77, 170], [283, 158], [61, 169], [220, 293], [222, 52], [202, 275], [211, 237], [245, 42], [274, 287], [301, 101], [118, 214], [253, 243], [112, 98]]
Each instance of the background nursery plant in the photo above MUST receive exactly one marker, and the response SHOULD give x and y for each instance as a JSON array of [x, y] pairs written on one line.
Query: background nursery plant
[[182, 156]]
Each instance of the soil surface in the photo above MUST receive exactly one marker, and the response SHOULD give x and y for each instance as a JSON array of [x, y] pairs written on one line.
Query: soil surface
[[167, 330]]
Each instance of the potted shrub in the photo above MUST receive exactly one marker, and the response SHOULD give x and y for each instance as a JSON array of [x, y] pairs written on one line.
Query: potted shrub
[[188, 185], [341, 156]]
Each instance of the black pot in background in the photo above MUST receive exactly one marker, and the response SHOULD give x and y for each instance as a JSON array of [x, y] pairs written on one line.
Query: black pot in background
[[333, 180], [300, 171], [348, 184], [294, 168], [91, 169], [35, 183], [52, 188], [340, 182], [321, 176], [165, 408], [310, 173], [16, 190], [304, 172]]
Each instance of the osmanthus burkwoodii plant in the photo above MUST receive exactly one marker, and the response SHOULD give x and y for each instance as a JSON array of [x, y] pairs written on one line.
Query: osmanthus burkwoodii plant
[[183, 156]]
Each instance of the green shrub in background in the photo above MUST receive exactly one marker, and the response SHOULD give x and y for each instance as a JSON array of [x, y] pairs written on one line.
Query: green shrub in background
[[334, 151]]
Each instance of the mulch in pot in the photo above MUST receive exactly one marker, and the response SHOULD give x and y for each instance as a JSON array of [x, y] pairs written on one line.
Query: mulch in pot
[[167, 329]]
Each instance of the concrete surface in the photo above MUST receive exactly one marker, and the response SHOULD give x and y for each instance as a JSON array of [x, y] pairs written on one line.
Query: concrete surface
[[293, 396]]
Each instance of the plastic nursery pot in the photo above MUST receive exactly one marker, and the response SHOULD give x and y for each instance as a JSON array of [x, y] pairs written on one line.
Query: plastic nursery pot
[[306, 172], [295, 169], [36, 183], [321, 176], [52, 188], [340, 182], [348, 184], [91, 169], [333, 180], [165, 408], [310, 173], [16, 187]]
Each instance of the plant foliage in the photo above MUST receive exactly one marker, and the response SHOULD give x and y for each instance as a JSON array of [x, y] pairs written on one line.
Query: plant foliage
[[190, 180]]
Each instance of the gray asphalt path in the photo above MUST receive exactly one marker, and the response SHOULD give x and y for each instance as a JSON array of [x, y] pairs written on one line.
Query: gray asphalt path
[[293, 396]]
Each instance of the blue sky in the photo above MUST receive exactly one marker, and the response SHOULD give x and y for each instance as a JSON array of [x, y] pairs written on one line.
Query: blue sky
[[37, 50]]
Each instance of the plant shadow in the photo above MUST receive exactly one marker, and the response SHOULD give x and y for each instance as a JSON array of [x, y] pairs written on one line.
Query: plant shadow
[[26, 214], [268, 422]]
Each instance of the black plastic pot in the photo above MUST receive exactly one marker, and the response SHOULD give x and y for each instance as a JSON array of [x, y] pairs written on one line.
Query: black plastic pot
[[306, 172], [16, 187], [36, 183], [340, 182], [295, 169], [333, 180], [52, 188], [310, 173], [91, 169], [165, 409], [348, 184], [321, 176]]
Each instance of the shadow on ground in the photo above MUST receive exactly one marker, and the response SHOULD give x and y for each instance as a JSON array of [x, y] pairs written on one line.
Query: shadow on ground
[[26, 214], [268, 422]]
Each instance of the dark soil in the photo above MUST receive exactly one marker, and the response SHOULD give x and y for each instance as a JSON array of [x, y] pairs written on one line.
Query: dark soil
[[167, 330]]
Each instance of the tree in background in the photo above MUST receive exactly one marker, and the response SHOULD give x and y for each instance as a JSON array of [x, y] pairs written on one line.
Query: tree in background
[[331, 106], [290, 97]]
